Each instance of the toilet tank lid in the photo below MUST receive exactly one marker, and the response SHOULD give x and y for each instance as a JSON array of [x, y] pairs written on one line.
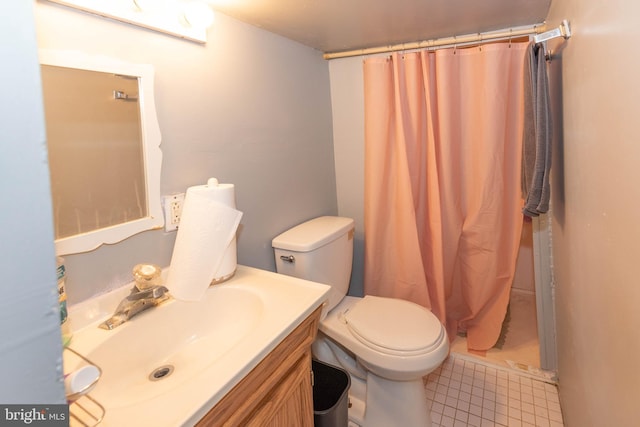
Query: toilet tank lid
[[313, 234]]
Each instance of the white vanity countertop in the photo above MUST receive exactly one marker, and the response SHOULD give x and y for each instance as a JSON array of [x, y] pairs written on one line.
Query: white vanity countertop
[[277, 304]]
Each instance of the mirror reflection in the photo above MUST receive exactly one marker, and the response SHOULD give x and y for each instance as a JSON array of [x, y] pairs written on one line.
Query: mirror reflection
[[95, 149]]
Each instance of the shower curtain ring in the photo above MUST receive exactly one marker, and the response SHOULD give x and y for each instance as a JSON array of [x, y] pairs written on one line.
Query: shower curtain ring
[[455, 45], [510, 35]]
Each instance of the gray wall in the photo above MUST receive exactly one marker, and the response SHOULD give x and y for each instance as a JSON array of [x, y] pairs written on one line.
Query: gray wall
[[30, 348], [249, 108], [596, 203], [347, 103]]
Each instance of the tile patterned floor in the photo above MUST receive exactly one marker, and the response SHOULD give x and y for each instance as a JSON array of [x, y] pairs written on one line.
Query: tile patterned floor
[[465, 393]]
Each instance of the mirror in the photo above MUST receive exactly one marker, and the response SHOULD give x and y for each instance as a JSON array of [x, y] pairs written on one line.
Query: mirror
[[103, 141]]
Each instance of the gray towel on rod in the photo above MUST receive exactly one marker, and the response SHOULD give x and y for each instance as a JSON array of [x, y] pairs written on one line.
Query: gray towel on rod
[[536, 145]]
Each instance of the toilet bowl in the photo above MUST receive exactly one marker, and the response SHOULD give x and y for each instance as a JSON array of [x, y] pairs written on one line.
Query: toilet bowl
[[392, 338], [386, 345]]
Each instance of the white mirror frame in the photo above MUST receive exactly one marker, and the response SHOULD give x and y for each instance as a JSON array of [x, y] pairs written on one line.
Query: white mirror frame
[[151, 148]]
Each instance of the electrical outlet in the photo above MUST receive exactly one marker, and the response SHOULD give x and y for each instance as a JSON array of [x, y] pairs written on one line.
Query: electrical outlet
[[172, 205]]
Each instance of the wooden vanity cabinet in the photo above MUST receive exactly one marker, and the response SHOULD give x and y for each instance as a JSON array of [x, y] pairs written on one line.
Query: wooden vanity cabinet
[[278, 391]]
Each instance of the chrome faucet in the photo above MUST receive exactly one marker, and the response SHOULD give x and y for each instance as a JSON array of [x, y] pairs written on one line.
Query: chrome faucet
[[136, 302]]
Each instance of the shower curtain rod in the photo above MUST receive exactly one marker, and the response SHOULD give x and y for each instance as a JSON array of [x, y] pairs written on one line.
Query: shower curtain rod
[[538, 30]]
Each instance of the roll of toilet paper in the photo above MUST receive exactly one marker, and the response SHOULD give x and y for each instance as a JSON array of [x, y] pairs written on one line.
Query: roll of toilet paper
[[208, 225]]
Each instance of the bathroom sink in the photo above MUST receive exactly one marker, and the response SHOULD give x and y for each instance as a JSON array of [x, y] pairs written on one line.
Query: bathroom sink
[[178, 340], [170, 364]]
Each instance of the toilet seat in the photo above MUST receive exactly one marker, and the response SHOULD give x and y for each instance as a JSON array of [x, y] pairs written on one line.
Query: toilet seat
[[393, 326], [375, 335]]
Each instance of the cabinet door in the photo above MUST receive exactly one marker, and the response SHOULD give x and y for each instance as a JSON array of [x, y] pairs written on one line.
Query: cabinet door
[[289, 404], [277, 392]]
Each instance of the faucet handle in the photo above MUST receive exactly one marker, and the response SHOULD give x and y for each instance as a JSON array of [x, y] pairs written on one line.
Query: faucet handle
[[146, 276], [158, 291], [153, 292]]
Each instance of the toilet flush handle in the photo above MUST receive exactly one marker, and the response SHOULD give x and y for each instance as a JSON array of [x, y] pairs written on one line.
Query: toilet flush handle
[[288, 258]]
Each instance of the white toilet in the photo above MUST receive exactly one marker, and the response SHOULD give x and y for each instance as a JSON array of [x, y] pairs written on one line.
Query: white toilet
[[387, 345]]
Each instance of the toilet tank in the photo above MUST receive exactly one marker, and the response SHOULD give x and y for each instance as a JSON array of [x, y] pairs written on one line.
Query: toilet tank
[[320, 250]]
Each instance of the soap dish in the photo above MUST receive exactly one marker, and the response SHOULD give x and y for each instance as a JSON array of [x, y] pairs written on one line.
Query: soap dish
[[84, 410]]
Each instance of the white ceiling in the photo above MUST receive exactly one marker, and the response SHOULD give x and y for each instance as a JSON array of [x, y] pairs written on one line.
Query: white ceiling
[[340, 25]]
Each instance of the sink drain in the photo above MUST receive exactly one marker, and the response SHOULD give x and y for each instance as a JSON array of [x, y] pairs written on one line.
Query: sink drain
[[161, 373]]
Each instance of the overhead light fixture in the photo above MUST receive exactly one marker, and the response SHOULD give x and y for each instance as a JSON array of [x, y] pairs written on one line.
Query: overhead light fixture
[[198, 14], [153, 6], [187, 19]]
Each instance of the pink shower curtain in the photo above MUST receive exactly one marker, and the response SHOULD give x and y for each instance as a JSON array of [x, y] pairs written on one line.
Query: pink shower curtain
[[443, 140]]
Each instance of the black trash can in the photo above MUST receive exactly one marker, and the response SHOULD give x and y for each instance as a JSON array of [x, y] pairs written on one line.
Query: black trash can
[[330, 395]]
